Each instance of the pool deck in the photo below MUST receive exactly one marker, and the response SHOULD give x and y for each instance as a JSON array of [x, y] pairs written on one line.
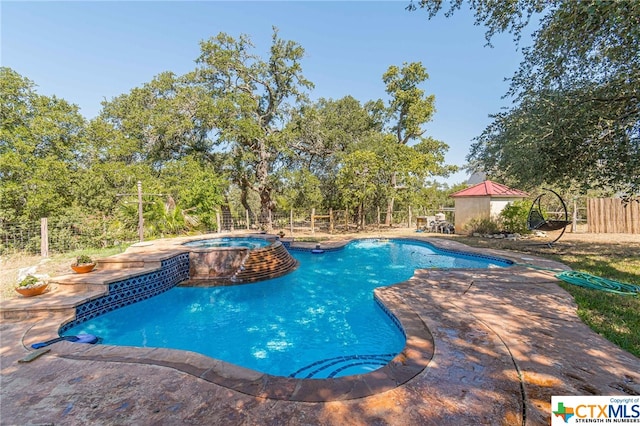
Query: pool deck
[[499, 344]]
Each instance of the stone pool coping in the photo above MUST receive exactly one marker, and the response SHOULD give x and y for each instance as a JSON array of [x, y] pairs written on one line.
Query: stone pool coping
[[414, 358]]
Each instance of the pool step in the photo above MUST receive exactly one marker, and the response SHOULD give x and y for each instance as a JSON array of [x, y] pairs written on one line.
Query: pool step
[[136, 259], [58, 299], [99, 279], [265, 263]]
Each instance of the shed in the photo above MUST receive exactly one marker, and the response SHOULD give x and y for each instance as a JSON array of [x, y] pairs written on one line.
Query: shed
[[485, 199]]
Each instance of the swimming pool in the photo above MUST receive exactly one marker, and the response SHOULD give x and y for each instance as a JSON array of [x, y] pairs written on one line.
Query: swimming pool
[[319, 321], [243, 242]]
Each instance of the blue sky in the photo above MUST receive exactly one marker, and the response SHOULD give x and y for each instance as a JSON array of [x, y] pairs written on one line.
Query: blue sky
[[87, 52]]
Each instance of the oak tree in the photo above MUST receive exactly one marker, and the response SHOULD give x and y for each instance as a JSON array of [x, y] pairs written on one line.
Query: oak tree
[[252, 99], [576, 113]]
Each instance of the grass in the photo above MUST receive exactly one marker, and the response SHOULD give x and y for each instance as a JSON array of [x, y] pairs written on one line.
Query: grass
[[615, 317]]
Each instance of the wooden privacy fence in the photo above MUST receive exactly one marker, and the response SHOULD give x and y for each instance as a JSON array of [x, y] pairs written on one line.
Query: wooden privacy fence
[[609, 215]]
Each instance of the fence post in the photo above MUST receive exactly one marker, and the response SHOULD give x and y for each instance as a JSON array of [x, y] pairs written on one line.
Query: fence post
[[140, 216], [246, 214], [218, 222], [291, 220], [378, 224], [574, 219], [313, 220], [346, 219], [44, 237], [409, 221], [331, 221]]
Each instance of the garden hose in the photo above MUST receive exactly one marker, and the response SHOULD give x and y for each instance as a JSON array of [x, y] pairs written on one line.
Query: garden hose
[[583, 279], [603, 284]]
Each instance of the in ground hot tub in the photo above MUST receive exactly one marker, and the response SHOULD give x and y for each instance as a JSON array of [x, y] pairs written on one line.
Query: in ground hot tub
[[235, 242], [234, 260]]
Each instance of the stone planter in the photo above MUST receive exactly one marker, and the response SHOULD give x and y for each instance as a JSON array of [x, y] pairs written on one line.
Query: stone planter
[[32, 291], [83, 268]]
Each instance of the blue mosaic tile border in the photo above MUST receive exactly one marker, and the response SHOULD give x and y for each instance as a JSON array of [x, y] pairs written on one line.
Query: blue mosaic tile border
[[341, 363], [135, 289], [391, 316]]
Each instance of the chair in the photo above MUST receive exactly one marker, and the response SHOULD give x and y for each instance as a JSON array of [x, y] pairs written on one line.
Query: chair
[[537, 222]]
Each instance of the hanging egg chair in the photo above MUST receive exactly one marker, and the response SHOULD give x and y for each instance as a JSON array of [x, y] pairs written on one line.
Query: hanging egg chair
[[548, 214]]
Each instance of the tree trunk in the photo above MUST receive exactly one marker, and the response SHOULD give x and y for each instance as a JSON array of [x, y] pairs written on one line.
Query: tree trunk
[[264, 188], [265, 209], [244, 195], [389, 219]]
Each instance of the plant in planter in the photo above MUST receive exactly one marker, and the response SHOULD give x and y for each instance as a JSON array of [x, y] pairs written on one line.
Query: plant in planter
[[31, 286], [83, 264], [281, 234]]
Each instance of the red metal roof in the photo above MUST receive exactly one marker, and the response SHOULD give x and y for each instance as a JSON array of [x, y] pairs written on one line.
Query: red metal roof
[[489, 188]]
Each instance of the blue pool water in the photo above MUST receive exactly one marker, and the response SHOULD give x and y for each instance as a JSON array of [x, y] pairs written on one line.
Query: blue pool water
[[319, 321], [248, 242]]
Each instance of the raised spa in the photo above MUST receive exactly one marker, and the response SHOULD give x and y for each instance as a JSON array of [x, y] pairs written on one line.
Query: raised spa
[[241, 242], [235, 260]]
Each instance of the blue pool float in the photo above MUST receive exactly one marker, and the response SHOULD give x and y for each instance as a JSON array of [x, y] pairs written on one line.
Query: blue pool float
[[80, 338]]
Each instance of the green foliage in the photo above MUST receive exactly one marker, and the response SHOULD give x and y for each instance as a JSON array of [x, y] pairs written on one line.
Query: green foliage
[[166, 118], [300, 189], [83, 259], [359, 178], [514, 217], [482, 225], [196, 188], [409, 108], [575, 116], [498, 17], [562, 139], [40, 139], [100, 187], [28, 281], [238, 131], [318, 133]]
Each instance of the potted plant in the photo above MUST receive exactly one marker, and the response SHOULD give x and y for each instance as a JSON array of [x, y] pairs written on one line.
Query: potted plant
[[83, 264], [31, 286]]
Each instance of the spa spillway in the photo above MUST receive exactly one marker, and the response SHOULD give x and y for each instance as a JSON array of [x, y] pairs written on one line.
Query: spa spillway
[[237, 260]]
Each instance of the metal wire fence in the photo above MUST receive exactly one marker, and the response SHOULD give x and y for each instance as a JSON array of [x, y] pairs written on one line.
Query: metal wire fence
[[61, 235], [331, 221]]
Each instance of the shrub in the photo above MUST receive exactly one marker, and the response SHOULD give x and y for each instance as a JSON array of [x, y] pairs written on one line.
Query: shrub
[[514, 217], [83, 259], [483, 225]]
